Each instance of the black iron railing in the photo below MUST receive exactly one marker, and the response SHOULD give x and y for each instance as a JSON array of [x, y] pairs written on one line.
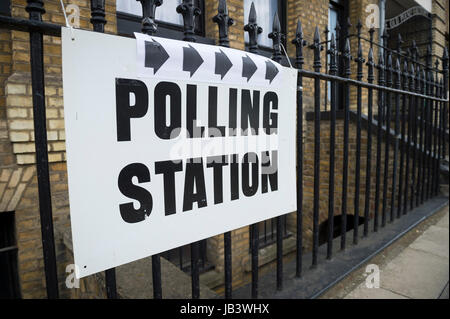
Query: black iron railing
[[410, 96]]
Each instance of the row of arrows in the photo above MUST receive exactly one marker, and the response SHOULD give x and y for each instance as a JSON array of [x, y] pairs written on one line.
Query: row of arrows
[[156, 56]]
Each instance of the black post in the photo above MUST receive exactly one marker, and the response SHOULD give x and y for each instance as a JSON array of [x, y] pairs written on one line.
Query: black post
[[409, 173], [380, 68], [347, 72], [402, 139], [317, 65], [98, 15], [148, 25], [396, 138], [35, 8], [277, 38], [332, 71], [189, 11], [359, 75], [387, 138], [435, 134], [299, 43], [414, 195], [224, 22], [370, 79], [253, 31], [110, 283]]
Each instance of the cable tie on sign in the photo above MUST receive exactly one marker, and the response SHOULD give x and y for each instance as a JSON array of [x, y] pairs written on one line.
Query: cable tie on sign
[[287, 57], [67, 21]]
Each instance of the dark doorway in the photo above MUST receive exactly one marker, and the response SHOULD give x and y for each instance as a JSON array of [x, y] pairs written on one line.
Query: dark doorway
[[323, 228], [9, 278]]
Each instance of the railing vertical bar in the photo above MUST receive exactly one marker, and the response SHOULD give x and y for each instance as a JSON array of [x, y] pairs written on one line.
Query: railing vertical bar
[[387, 139], [277, 38], [381, 82], [417, 100], [421, 168], [189, 11], [332, 71], [299, 43], [195, 278], [156, 277], [253, 31], [360, 60], [317, 65], [224, 22], [370, 79], [110, 283], [148, 26], [35, 10], [396, 138], [402, 139], [408, 173], [435, 126]]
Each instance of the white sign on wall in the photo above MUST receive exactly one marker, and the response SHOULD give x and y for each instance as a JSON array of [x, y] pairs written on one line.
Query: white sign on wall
[[170, 142]]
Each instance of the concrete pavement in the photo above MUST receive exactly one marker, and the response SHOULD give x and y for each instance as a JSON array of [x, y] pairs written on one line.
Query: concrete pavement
[[416, 267]]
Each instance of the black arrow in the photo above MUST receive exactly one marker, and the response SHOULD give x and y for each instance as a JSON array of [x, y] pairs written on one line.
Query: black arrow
[[223, 64], [155, 55], [271, 71], [248, 67], [191, 60]]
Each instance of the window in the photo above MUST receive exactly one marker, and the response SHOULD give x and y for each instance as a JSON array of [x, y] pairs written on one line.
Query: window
[[5, 7], [9, 278], [170, 22], [265, 11], [337, 13]]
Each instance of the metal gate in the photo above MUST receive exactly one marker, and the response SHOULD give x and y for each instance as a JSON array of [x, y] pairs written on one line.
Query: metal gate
[[407, 109]]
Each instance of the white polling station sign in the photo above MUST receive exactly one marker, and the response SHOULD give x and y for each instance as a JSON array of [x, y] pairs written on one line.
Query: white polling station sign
[[170, 142]]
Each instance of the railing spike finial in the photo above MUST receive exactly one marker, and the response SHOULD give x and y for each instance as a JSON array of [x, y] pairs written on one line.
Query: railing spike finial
[[398, 72], [359, 26], [389, 69], [189, 11], [253, 30], [429, 61], [277, 38], [98, 15], [36, 9], [148, 15], [371, 33], [399, 43], [347, 58], [317, 48], [299, 43], [224, 21], [360, 60], [370, 63], [332, 52], [412, 76]]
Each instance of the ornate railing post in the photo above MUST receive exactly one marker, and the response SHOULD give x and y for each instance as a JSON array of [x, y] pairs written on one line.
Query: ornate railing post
[[253, 30], [333, 71], [397, 84], [347, 72], [224, 21], [98, 15], [401, 176], [317, 65], [370, 78], [189, 11], [380, 68], [277, 37], [359, 75], [299, 43], [148, 23], [35, 8]]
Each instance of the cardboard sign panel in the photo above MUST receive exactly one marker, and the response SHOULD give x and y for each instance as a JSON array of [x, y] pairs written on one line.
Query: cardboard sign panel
[[171, 142]]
